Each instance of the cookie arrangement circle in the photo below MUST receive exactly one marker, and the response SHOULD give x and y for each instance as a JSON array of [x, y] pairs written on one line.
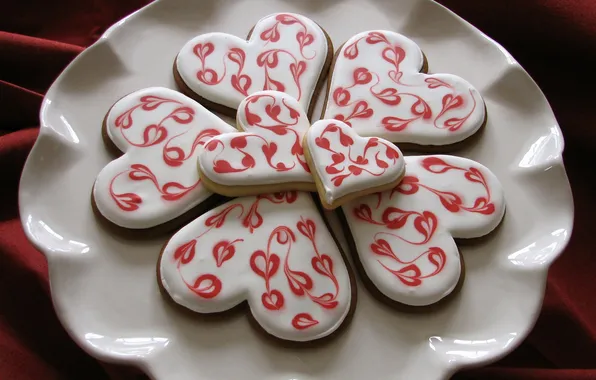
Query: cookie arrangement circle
[[271, 249]]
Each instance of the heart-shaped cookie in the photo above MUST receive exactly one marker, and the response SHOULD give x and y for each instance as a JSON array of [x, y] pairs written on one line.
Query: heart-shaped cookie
[[272, 251], [348, 166], [160, 133], [266, 156], [404, 237], [285, 52], [378, 88]]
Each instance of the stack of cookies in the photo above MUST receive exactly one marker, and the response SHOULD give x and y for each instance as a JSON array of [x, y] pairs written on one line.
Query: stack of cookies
[[260, 189]]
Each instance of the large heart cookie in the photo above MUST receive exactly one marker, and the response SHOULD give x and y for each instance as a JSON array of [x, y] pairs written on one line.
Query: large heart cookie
[[378, 89], [348, 166], [285, 52], [272, 251], [161, 133], [404, 237], [266, 156]]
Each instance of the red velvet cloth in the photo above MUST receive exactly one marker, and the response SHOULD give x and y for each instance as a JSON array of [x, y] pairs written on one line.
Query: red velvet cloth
[[555, 40]]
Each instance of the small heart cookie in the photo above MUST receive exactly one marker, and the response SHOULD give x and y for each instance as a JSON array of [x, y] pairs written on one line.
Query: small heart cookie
[[378, 88], [273, 252], [348, 166], [285, 52], [160, 133], [266, 156], [404, 237]]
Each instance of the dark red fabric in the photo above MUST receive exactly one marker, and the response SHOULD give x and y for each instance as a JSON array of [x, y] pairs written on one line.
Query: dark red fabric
[[555, 40]]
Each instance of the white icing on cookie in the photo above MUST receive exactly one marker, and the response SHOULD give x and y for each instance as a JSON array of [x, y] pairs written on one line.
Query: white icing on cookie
[[270, 149], [404, 237], [376, 87], [286, 52], [273, 251], [347, 163], [161, 133]]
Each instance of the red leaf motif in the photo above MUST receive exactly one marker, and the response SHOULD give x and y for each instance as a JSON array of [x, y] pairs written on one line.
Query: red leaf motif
[[274, 85], [362, 110], [474, 175], [207, 286], [351, 51], [219, 219], [297, 70], [341, 96], [298, 281], [253, 219], [409, 275], [380, 163], [273, 300], [394, 55], [268, 58], [141, 172], [307, 228], [392, 153], [153, 135], [408, 185], [337, 181], [421, 108], [363, 212], [388, 96], [450, 201], [376, 37], [223, 251], [223, 166], [271, 34], [172, 191], [449, 102], [269, 151], [481, 206], [426, 224], [272, 111], [241, 83], [436, 165], [395, 124], [287, 19], [183, 115], [237, 55], [338, 158], [382, 248], [261, 266], [203, 51], [436, 83], [344, 139], [395, 218], [323, 265], [127, 201], [303, 321], [362, 76], [330, 169], [322, 142], [151, 102], [304, 39], [354, 169], [186, 252], [208, 76]]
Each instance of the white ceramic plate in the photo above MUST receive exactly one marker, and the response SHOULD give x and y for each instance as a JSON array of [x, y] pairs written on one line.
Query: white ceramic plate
[[104, 286]]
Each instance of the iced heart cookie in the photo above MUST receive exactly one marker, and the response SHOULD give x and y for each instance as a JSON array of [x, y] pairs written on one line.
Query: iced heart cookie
[[284, 52], [159, 133], [347, 166], [379, 87], [266, 155], [404, 238], [273, 252]]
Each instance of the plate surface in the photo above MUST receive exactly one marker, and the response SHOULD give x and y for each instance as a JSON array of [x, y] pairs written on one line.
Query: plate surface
[[104, 286]]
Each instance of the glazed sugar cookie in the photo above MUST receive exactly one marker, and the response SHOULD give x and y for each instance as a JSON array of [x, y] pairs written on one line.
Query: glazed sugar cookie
[[273, 252], [266, 156], [160, 133], [378, 88], [404, 237], [285, 52], [348, 166]]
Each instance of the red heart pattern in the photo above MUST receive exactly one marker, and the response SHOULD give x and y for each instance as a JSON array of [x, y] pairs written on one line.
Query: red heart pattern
[[267, 152], [378, 89], [284, 263], [160, 133], [350, 166], [404, 236], [286, 52]]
